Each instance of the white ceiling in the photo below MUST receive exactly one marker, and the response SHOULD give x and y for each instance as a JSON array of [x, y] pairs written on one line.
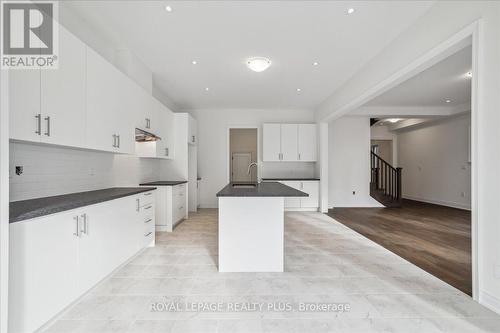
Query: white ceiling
[[431, 88], [220, 35]]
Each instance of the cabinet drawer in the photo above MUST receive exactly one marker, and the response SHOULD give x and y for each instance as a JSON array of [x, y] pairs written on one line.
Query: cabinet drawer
[[179, 190], [149, 224], [146, 198]]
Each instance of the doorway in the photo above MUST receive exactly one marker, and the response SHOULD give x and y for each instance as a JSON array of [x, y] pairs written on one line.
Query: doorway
[[242, 152]]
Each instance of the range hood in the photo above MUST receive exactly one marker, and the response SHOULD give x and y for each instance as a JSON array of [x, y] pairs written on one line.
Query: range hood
[[144, 136]]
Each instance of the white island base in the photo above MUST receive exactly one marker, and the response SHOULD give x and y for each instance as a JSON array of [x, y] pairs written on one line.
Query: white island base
[[251, 234]]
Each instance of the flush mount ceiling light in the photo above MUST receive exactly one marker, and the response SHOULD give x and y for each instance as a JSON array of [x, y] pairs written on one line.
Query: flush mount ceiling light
[[448, 101], [258, 64], [299, 90], [207, 89], [194, 62], [393, 120], [315, 63], [469, 74], [168, 8], [350, 11]]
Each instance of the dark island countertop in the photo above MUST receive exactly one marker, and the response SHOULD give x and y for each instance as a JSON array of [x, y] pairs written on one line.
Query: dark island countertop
[[267, 189], [165, 183], [29, 209], [291, 179]]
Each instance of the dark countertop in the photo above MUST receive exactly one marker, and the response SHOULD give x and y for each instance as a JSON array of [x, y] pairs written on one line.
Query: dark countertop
[[268, 189], [29, 209], [165, 183], [290, 179]]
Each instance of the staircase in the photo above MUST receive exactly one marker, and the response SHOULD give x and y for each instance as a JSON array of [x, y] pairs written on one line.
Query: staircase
[[385, 183]]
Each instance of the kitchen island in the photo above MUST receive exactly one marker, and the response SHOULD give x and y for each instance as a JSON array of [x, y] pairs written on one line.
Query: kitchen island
[[251, 226]]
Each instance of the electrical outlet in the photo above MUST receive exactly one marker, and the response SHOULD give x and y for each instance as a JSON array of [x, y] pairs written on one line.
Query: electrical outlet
[[19, 170]]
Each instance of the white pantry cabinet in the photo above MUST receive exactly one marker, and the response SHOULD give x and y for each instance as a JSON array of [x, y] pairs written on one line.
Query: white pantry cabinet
[[55, 259], [289, 142]]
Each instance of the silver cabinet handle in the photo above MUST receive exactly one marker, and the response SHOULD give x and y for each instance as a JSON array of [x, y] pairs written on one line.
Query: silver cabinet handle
[[148, 123], [149, 193], [77, 223], [138, 204], [149, 233], [85, 224], [118, 144], [114, 140], [181, 207], [38, 118], [193, 139], [166, 151], [299, 156], [148, 207], [148, 220], [48, 125]]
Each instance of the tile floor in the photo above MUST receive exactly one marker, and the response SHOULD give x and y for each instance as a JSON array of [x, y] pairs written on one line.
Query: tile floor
[[327, 265]]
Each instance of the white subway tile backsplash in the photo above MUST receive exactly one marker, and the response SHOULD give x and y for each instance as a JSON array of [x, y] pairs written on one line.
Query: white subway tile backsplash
[[50, 170]]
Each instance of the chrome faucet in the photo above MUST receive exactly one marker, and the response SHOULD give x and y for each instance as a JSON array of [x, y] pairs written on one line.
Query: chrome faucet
[[250, 167]]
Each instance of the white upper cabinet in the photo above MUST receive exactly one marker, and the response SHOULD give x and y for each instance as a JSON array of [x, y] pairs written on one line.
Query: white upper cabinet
[[289, 134], [192, 131], [271, 142], [307, 142], [63, 94], [167, 133], [289, 142], [24, 105]]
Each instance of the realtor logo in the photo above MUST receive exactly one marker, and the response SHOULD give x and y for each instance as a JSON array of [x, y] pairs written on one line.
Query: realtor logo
[[29, 35]]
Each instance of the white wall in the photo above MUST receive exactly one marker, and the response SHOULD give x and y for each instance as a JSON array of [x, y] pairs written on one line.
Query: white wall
[[50, 170], [443, 20], [349, 163], [213, 161], [434, 161]]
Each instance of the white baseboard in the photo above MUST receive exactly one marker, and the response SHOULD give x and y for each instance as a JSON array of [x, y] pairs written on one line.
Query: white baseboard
[[208, 206], [489, 301], [439, 202], [298, 209]]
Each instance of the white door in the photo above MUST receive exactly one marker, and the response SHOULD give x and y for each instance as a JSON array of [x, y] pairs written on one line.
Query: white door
[[44, 269], [102, 99], [63, 94], [307, 145], [292, 202], [24, 102], [311, 188], [289, 139], [271, 142], [239, 167]]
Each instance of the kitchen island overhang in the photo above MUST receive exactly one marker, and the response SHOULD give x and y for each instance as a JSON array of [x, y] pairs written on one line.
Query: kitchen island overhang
[[251, 226]]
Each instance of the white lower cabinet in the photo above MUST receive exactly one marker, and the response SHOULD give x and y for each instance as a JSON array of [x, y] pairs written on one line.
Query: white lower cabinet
[[171, 206], [310, 187], [57, 258]]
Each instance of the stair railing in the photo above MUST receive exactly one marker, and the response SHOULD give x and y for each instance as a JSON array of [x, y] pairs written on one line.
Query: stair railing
[[385, 177]]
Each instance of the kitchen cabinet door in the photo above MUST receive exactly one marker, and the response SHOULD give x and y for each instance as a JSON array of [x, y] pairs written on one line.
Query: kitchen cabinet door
[[167, 133], [271, 142], [307, 142], [24, 105], [102, 103], [289, 139], [43, 269], [311, 188], [63, 94], [292, 202], [125, 119]]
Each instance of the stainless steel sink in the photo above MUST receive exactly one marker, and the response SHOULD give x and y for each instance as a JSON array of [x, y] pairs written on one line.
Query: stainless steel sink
[[243, 185]]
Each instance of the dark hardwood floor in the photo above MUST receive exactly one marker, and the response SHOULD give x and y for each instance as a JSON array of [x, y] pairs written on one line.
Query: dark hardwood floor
[[435, 238]]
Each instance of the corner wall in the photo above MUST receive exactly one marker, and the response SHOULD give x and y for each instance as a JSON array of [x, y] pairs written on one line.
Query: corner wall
[[349, 163]]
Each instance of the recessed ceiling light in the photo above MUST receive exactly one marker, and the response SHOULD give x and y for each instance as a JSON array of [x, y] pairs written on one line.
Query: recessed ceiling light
[[315, 63], [207, 89], [168, 8], [194, 62], [350, 11], [448, 101], [469, 74], [258, 64], [393, 120], [299, 90]]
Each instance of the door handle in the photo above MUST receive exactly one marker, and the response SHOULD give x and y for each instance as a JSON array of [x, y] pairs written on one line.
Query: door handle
[[48, 125], [38, 118], [77, 222], [85, 224]]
